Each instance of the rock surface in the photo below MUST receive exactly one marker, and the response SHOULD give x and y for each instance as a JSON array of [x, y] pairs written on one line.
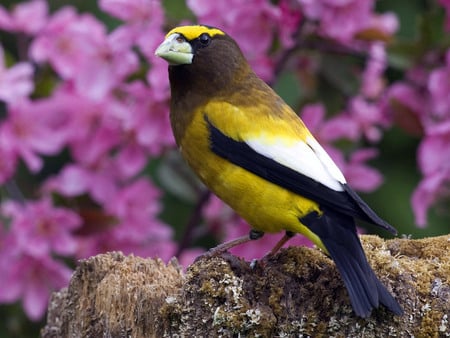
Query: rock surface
[[296, 292]]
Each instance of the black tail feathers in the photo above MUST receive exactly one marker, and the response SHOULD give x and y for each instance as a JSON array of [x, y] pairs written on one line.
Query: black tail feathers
[[338, 234]]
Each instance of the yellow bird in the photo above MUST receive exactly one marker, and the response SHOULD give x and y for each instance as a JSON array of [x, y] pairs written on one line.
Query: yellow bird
[[250, 148]]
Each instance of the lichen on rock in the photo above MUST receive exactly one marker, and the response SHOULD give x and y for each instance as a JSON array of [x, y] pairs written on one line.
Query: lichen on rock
[[297, 292]]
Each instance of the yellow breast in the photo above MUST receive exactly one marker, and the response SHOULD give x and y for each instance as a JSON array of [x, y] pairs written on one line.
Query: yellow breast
[[264, 205]]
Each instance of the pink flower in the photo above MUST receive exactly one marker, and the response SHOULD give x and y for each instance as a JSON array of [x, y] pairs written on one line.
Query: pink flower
[[288, 22], [326, 131], [342, 20], [134, 10], [79, 49], [145, 118], [15, 82], [373, 82], [40, 228], [100, 182], [369, 118], [31, 129], [339, 19], [358, 174], [135, 206], [143, 27], [407, 106], [433, 158], [26, 17], [136, 228], [66, 41], [386, 23], [31, 279], [439, 87]]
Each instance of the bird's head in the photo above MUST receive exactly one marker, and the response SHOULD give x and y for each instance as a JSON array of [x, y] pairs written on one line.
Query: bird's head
[[203, 55], [182, 44]]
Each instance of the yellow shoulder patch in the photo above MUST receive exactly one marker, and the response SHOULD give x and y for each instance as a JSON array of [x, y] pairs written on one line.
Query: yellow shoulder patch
[[193, 32]]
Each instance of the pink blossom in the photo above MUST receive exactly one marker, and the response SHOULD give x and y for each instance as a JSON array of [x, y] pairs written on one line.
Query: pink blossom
[[386, 23], [434, 162], [131, 159], [136, 229], [144, 21], [409, 96], [66, 41], [72, 180], [29, 130], [27, 17], [100, 182], [358, 174], [342, 20], [90, 128], [407, 106], [326, 131], [145, 118], [104, 136], [15, 82], [439, 87], [40, 228], [369, 118], [288, 22], [134, 10], [373, 82], [31, 279], [157, 79], [79, 49], [339, 19], [135, 206]]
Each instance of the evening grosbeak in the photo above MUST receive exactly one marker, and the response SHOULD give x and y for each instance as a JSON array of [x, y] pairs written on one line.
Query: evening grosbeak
[[250, 148]]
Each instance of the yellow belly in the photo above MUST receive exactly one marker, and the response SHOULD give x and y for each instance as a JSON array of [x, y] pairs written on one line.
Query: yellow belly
[[264, 205]]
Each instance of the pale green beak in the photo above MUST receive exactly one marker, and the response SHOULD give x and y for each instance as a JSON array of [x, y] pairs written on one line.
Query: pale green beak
[[175, 50]]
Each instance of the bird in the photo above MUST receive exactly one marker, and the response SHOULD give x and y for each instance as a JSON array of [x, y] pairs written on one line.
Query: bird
[[256, 154]]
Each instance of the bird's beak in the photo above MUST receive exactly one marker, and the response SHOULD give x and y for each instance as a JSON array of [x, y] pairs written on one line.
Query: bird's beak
[[175, 50]]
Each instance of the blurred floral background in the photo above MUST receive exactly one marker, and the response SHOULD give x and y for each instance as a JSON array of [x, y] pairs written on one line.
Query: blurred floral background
[[87, 158]]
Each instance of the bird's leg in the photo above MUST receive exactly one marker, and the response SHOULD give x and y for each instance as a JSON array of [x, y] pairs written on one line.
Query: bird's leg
[[253, 235], [287, 236]]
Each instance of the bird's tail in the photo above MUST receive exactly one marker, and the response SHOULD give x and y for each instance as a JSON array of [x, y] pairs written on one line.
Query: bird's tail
[[338, 234]]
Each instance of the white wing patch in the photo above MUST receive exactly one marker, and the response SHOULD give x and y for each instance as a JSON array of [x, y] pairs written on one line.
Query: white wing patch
[[309, 159]]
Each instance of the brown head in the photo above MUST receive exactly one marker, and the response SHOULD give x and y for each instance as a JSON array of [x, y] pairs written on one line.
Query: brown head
[[201, 58], [205, 64]]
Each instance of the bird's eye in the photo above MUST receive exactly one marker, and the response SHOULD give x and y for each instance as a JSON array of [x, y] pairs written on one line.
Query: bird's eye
[[180, 39], [204, 39]]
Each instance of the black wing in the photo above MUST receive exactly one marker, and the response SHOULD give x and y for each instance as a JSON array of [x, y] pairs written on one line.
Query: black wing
[[346, 202]]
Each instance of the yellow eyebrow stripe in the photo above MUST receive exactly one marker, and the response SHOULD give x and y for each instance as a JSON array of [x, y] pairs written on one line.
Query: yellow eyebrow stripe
[[193, 32]]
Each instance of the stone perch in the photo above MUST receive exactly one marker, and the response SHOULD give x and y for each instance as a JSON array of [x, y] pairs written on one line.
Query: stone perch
[[296, 293]]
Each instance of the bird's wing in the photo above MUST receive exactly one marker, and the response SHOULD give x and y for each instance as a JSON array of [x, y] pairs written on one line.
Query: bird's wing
[[294, 161], [306, 157]]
